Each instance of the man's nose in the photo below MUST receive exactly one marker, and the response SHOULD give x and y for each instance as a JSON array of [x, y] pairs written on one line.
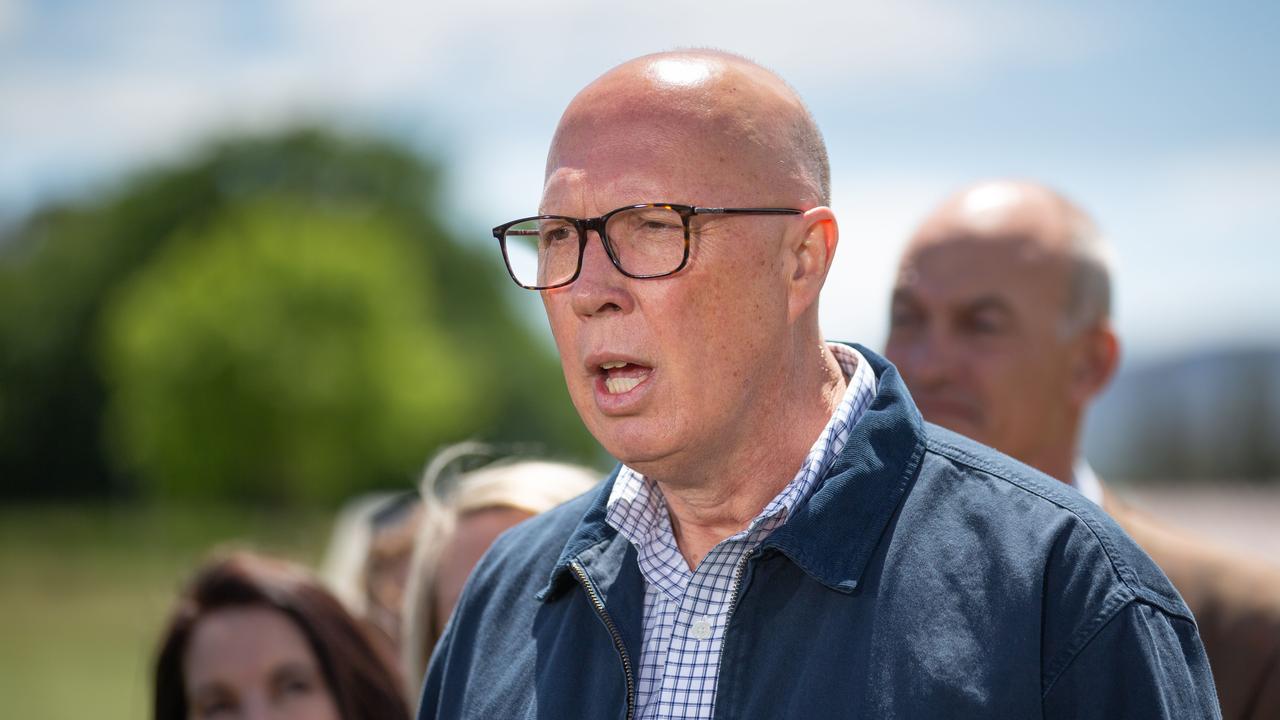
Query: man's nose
[[600, 288]]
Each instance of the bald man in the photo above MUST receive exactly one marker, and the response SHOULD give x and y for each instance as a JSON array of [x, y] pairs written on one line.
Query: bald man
[[1000, 326], [783, 537]]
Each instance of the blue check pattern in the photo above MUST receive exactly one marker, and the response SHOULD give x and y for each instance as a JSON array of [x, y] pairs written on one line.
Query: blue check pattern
[[686, 611]]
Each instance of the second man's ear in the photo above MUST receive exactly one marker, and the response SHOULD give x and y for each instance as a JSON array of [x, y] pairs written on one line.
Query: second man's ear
[[1097, 361]]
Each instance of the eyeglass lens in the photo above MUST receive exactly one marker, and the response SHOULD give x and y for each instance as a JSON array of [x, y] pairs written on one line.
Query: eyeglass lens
[[645, 241]]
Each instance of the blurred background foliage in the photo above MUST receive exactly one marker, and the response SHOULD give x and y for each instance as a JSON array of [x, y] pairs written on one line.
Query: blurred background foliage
[[276, 318]]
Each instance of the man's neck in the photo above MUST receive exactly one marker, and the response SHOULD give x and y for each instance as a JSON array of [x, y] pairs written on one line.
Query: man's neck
[[724, 494], [1057, 461], [1059, 469]]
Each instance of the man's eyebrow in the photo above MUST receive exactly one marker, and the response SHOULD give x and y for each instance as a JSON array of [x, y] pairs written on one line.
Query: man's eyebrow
[[996, 303], [902, 294]]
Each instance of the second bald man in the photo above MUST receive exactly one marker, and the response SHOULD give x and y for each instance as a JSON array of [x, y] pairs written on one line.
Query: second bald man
[[1001, 326]]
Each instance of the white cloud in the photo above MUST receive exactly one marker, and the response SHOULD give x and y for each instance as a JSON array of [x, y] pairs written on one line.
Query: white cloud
[[139, 78]]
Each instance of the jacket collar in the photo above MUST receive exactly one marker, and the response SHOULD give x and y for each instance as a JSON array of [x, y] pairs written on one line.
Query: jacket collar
[[833, 536]]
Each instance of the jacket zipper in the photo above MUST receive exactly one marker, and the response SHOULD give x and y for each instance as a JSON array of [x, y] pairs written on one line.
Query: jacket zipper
[[613, 630], [733, 605]]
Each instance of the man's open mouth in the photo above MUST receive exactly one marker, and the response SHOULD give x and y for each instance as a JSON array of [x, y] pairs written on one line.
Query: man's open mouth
[[622, 377]]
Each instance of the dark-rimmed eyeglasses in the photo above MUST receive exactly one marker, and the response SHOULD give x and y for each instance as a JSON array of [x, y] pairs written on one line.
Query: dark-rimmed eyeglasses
[[643, 241]]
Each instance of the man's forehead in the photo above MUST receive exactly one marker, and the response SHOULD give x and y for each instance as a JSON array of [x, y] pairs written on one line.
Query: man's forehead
[[571, 189], [962, 268], [1005, 247], [954, 298], [633, 160], [658, 129], [621, 138]]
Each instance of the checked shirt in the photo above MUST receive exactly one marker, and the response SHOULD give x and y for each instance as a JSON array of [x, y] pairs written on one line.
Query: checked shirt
[[686, 611]]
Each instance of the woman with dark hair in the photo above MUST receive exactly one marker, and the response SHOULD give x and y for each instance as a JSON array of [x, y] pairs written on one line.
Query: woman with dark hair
[[256, 637]]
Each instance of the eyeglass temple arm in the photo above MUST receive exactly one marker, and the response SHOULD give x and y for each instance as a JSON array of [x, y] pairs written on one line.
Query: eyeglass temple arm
[[752, 211]]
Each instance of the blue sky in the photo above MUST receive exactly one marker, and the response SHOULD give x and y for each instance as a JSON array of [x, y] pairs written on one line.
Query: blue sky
[[1163, 119]]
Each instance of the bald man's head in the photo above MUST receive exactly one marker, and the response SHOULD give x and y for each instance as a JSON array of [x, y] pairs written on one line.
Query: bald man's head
[[999, 321], [1041, 226], [711, 165], [748, 115]]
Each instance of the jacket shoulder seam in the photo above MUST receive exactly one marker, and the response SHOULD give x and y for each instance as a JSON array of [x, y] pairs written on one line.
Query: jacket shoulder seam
[[1121, 569], [1087, 635], [1084, 635]]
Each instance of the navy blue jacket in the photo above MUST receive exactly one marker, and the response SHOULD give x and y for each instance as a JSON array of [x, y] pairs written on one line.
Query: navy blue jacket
[[927, 577]]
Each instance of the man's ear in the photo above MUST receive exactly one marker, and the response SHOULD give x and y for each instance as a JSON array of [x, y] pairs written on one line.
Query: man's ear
[[1097, 359], [811, 250]]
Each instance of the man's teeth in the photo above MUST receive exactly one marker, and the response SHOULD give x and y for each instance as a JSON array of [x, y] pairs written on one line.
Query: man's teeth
[[617, 386], [616, 372]]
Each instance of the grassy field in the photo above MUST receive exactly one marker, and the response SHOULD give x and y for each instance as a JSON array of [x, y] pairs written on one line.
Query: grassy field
[[84, 592]]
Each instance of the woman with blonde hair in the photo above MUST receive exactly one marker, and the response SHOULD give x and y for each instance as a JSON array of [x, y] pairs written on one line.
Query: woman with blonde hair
[[399, 561], [465, 508]]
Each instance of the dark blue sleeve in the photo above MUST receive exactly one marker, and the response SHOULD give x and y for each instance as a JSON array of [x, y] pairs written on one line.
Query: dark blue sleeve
[[1143, 663]]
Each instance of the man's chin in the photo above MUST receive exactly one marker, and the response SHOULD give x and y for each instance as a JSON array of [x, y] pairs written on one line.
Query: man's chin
[[636, 442]]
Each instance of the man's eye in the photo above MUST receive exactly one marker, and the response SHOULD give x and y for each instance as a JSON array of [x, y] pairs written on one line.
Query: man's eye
[[985, 325], [905, 318], [654, 222], [554, 235]]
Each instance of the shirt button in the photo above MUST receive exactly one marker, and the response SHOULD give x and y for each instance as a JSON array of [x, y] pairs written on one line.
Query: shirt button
[[701, 629]]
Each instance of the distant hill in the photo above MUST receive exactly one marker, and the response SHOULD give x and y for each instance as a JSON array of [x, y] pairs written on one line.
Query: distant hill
[[1209, 416]]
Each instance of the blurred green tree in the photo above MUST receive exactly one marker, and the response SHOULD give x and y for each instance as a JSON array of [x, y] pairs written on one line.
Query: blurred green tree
[[277, 317], [285, 352]]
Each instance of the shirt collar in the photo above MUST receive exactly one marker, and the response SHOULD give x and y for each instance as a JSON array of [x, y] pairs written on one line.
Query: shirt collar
[[1084, 479], [636, 507], [833, 536]]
